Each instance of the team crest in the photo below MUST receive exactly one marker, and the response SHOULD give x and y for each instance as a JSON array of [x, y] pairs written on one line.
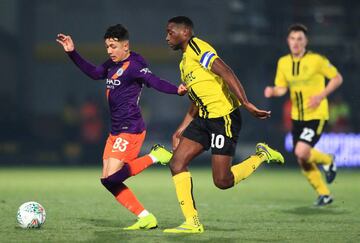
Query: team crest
[[119, 72]]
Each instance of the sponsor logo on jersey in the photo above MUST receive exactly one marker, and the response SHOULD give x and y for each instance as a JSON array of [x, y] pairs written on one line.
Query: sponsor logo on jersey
[[112, 83], [189, 77]]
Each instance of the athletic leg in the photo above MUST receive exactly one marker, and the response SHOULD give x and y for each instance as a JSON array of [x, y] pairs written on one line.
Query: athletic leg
[[223, 177], [184, 153], [310, 170], [118, 149], [226, 176]]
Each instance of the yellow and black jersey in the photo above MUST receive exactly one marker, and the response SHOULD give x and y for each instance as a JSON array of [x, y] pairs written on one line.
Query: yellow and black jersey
[[206, 89], [305, 77]]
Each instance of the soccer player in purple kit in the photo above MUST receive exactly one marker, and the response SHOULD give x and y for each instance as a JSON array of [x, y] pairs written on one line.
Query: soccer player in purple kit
[[126, 72]]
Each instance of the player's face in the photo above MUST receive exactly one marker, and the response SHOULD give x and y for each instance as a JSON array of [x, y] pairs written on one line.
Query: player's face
[[117, 50], [297, 42], [175, 35]]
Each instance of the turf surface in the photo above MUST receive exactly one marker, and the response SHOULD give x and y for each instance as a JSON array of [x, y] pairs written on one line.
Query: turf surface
[[273, 205]]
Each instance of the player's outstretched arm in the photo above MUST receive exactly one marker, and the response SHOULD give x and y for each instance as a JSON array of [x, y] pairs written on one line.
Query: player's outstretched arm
[[220, 68], [191, 113], [159, 84], [94, 72]]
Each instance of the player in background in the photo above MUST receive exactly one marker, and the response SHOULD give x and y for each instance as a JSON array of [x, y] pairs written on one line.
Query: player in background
[[212, 121], [303, 72], [126, 72]]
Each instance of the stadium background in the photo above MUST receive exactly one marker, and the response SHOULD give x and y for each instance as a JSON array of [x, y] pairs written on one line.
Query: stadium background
[[54, 121], [52, 114]]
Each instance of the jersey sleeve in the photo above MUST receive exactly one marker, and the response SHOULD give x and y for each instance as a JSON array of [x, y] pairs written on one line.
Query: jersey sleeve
[[327, 69], [280, 80], [207, 59], [145, 76], [94, 72], [203, 53]]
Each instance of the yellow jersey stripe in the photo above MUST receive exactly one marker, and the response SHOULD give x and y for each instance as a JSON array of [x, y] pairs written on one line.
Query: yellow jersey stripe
[[227, 120], [205, 112], [226, 126], [293, 68], [300, 105], [230, 133], [320, 127], [195, 47]]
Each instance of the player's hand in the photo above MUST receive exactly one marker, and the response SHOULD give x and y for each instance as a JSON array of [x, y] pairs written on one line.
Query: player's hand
[[315, 101], [269, 92], [66, 42], [176, 139], [261, 114], [182, 90]]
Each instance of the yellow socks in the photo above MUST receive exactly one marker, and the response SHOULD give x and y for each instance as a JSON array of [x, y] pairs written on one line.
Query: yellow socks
[[184, 188], [318, 157], [314, 177], [244, 169]]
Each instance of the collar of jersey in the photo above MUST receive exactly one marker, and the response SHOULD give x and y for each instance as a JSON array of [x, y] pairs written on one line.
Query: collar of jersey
[[299, 58], [192, 37]]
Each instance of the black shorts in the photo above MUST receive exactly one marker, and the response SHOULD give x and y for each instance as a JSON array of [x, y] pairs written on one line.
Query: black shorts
[[307, 131], [221, 134]]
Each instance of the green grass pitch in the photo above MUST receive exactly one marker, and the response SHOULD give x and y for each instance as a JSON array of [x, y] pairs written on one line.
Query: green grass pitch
[[273, 205]]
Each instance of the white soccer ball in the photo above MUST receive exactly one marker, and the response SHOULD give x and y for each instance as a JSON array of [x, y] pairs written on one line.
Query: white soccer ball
[[31, 215]]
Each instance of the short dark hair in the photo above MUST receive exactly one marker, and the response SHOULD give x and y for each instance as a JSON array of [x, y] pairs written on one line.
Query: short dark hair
[[182, 20], [118, 32], [298, 27]]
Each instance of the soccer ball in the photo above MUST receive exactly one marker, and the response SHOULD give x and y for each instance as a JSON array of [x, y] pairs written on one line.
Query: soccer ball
[[31, 215]]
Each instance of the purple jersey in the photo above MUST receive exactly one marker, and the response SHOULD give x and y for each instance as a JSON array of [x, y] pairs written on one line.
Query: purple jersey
[[124, 82]]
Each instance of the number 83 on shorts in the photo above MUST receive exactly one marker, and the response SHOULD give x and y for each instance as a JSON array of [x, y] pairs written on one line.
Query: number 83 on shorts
[[124, 146]]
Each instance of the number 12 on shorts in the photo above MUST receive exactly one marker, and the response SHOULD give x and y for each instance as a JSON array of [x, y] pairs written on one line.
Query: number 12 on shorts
[[307, 134], [120, 144], [217, 141]]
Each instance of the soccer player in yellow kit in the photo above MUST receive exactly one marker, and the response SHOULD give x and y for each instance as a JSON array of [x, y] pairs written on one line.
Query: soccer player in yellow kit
[[303, 73], [213, 121]]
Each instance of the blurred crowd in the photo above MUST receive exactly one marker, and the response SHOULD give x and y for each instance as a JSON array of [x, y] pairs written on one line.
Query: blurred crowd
[[77, 135]]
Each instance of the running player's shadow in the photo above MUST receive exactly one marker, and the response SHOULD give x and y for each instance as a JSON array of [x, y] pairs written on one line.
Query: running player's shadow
[[313, 210], [226, 228], [100, 222]]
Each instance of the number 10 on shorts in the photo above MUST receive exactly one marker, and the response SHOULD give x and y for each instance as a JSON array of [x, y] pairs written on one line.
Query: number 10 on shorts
[[217, 141]]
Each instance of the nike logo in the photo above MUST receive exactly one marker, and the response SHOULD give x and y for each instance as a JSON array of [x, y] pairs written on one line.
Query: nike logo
[[327, 199]]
